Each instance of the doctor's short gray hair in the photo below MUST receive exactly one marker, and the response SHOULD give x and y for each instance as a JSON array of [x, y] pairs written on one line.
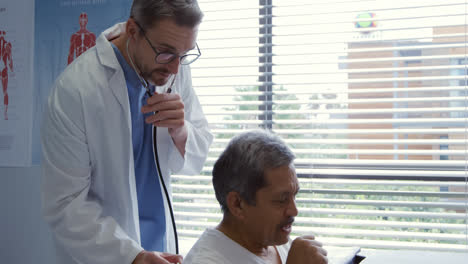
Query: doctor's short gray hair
[[242, 165], [148, 12]]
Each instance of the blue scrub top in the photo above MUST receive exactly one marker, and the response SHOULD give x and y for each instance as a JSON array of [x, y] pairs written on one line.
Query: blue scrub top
[[150, 200]]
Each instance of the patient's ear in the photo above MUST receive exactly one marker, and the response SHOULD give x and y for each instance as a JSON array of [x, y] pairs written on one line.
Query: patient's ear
[[235, 204]]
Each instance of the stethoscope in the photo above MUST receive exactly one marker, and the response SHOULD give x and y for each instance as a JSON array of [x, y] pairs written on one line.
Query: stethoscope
[[145, 84]]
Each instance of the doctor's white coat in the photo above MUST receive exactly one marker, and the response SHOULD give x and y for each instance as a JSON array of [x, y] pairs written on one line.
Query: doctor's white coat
[[88, 186]]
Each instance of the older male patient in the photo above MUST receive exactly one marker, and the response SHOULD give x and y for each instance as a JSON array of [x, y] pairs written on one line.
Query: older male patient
[[255, 183]]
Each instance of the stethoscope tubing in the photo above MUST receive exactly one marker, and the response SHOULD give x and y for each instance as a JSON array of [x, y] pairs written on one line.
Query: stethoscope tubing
[[145, 84]]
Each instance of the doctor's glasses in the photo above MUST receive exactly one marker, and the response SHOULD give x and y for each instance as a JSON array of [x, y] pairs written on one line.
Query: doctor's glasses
[[167, 57]]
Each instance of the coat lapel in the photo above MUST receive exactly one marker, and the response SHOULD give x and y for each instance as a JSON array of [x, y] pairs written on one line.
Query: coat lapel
[[118, 90], [107, 58]]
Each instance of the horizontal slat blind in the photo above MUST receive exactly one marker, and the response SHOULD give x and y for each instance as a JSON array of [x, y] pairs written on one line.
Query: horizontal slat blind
[[370, 95]]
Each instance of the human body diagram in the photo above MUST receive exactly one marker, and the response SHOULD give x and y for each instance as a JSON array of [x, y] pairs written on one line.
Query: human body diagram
[[7, 64], [82, 40]]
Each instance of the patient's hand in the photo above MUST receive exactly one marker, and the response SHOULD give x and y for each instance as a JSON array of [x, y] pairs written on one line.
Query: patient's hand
[[306, 250], [147, 257]]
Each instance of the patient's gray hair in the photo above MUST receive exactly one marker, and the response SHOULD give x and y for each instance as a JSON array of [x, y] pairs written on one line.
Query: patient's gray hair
[[242, 165], [148, 12]]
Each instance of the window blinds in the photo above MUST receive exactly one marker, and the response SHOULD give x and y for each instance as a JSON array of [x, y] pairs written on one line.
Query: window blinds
[[370, 95]]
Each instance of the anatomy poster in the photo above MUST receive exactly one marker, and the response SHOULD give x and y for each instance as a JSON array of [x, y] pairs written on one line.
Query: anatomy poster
[[65, 29], [16, 70]]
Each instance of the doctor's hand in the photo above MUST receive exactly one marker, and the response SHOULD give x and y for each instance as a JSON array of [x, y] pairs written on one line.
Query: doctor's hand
[[169, 112], [306, 250], [168, 109], [147, 257]]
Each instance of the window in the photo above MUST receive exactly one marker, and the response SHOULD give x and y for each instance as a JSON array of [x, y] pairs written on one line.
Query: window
[[370, 95]]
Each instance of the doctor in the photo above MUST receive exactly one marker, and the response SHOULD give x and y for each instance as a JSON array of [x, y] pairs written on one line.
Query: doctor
[[101, 190]]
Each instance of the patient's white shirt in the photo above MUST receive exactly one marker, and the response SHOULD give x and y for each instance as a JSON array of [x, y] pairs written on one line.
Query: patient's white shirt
[[214, 247]]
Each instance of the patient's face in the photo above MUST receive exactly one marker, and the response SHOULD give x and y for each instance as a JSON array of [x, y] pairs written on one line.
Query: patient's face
[[269, 221]]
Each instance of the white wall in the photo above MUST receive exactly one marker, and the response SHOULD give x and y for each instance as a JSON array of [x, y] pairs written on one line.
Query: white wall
[[24, 236]]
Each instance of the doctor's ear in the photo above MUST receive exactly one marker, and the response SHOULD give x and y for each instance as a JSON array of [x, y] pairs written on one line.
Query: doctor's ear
[[131, 28]]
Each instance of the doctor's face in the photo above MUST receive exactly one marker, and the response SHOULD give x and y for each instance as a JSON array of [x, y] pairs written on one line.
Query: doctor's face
[[269, 221], [164, 37]]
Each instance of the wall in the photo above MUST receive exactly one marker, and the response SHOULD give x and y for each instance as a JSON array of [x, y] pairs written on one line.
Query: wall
[[24, 236]]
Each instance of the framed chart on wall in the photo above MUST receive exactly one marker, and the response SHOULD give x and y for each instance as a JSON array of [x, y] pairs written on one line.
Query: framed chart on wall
[[16, 72], [64, 29], [38, 39]]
